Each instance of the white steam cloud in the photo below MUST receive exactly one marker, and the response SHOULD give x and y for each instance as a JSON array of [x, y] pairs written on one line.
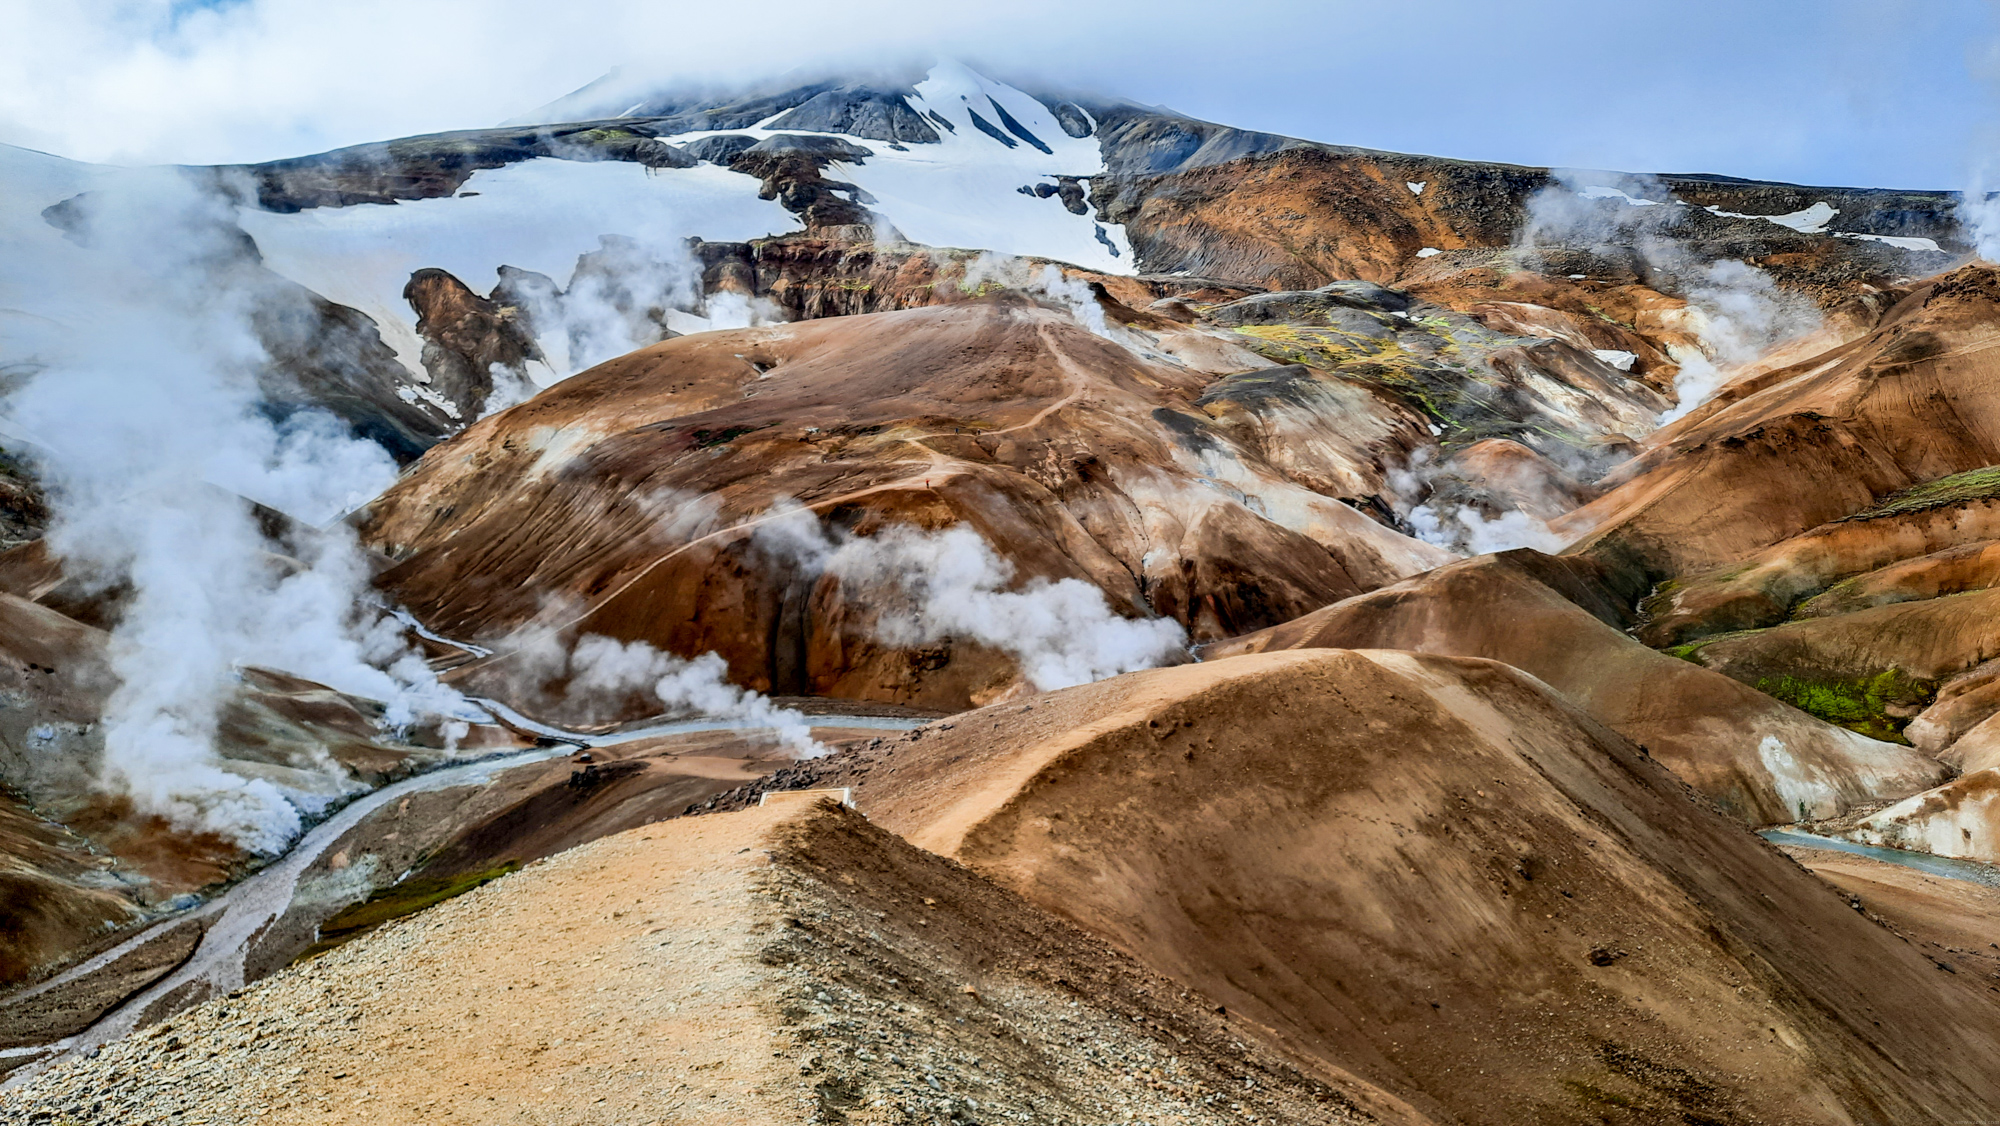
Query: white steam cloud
[[618, 298], [599, 665], [627, 294], [1740, 315], [597, 681], [1463, 528], [950, 584], [1737, 312], [1009, 272], [1979, 217], [147, 406], [1466, 529]]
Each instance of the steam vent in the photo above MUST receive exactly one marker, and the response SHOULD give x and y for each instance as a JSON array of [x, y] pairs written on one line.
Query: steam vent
[[793, 585]]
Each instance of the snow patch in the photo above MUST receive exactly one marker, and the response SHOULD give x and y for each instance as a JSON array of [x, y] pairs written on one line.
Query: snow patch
[[1811, 221], [1416, 186], [536, 215], [1621, 360], [1900, 242], [1429, 252]]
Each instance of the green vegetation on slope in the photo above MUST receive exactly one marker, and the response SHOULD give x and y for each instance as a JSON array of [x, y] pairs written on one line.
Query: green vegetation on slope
[[1860, 705], [1959, 488], [392, 903]]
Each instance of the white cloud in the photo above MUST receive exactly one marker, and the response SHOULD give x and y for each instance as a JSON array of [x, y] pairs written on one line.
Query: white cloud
[[1855, 95], [124, 81]]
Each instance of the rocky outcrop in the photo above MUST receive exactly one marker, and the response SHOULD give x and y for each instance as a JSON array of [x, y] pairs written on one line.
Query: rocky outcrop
[[860, 111], [436, 165], [793, 178], [466, 337]]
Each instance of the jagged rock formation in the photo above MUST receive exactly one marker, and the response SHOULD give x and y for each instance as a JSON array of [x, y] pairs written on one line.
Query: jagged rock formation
[[466, 336]]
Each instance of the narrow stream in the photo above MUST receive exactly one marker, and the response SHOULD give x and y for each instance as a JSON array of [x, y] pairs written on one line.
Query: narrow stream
[[1970, 871], [685, 726]]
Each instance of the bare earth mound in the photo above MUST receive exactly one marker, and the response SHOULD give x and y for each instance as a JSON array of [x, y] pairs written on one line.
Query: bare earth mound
[[1073, 457], [790, 964], [1762, 760], [1441, 876]]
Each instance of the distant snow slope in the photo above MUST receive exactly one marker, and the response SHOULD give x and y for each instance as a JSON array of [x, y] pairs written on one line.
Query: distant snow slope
[[537, 215], [38, 259], [965, 190], [541, 214]]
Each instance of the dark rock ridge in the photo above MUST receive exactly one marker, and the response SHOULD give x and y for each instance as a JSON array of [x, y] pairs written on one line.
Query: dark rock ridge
[[859, 111], [438, 164]]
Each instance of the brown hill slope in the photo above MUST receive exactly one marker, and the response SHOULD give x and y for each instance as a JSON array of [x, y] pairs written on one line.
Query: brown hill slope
[[790, 964], [1557, 619], [1307, 214], [1915, 400], [1072, 456], [1437, 872]]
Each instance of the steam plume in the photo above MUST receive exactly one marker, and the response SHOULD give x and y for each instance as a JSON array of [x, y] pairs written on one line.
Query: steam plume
[[146, 400], [1737, 312], [1048, 281], [1978, 213], [597, 680], [1463, 528], [950, 584], [599, 665]]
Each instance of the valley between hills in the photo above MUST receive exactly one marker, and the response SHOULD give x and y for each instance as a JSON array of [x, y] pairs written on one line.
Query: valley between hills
[[935, 600]]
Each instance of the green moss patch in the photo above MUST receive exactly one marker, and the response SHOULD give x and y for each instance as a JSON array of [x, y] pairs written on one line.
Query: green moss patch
[[392, 903], [1435, 365], [1860, 705], [1959, 488]]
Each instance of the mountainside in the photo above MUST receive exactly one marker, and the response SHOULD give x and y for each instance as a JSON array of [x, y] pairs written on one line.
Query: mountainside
[[1307, 633]]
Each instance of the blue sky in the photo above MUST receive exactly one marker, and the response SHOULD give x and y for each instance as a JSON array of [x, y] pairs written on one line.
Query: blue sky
[[1889, 92]]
